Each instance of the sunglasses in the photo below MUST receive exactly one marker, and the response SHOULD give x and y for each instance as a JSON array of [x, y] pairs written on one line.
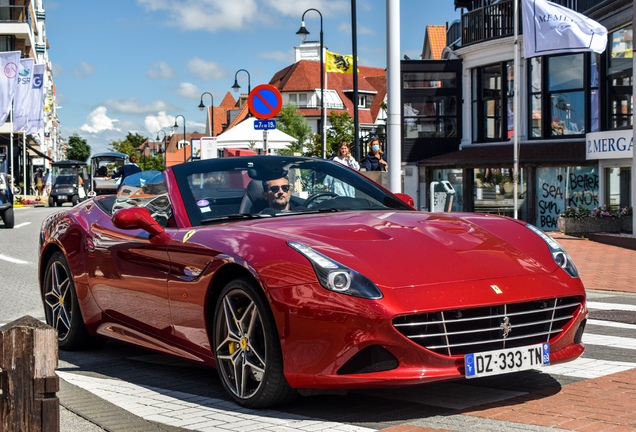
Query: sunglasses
[[275, 189]]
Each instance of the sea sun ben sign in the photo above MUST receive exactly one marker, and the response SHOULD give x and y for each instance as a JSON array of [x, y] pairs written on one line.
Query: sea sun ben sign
[[617, 144]]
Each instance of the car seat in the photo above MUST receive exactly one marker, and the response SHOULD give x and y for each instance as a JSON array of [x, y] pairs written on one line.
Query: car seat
[[253, 201]]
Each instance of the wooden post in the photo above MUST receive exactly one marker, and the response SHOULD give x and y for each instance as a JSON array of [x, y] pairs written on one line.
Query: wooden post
[[28, 359]]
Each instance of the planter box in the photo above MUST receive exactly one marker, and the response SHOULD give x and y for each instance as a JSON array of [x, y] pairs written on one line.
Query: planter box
[[627, 224], [586, 225]]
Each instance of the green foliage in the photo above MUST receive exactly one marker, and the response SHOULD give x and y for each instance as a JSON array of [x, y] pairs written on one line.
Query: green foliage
[[77, 148], [342, 129], [148, 163], [129, 145], [293, 123]]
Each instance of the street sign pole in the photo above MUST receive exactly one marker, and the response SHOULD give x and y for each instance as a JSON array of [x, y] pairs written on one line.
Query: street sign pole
[[265, 141], [265, 102]]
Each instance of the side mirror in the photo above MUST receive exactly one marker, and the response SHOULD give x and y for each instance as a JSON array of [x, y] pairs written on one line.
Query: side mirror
[[406, 198], [137, 218]]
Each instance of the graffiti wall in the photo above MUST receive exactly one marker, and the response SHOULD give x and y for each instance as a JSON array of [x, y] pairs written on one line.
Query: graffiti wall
[[561, 187]]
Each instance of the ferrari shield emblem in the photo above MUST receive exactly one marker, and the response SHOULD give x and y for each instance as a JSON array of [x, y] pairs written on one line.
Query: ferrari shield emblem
[[188, 235], [495, 288]]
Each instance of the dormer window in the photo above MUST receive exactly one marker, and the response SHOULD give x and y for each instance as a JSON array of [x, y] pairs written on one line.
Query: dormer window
[[362, 101], [298, 99]]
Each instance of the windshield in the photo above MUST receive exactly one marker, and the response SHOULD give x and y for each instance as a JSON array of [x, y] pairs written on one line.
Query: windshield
[[106, 167], [65, 175], [266, 186]]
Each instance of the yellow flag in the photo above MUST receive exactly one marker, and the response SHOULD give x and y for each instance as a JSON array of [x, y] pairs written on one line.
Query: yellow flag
[[339, 63]]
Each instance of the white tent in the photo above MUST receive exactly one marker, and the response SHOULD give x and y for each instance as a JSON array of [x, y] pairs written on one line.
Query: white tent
[[243, 136]]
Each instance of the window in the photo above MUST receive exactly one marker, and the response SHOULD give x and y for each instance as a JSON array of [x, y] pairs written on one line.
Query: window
[[6, 43], [492, 102], [619, 79], [332, 99], [421, 80], [293, 98], [430, 116], [564, 95], [362, 101]]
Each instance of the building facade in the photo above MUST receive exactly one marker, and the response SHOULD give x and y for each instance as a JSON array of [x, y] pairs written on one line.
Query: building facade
[[575, 119]]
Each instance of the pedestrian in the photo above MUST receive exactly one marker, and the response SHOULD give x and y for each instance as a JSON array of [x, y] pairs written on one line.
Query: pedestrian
[[376, 159], [48, 180], [126, 170], [344, 157], [39, 179]]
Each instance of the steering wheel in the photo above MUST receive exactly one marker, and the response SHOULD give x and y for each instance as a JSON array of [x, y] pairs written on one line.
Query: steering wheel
[[315, 196]]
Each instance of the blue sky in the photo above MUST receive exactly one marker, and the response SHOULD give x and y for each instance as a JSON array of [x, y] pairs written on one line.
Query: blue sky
[[133, 65]]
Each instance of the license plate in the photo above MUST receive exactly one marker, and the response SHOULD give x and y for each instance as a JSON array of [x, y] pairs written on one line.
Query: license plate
[[507, 360], [61, 196]]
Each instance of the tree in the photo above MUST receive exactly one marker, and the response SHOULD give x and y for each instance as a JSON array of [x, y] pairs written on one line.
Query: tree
[[341, 129], [293, 123], [128, 146], [78, 149]]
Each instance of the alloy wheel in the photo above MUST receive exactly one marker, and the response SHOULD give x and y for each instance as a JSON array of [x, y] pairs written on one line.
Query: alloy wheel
[[58, 299], [241, 344]]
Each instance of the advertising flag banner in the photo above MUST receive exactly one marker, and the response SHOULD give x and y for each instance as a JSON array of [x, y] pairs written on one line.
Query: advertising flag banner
[[35, 122], [9, 62], [339, 63], [549, 28], [21, 97]]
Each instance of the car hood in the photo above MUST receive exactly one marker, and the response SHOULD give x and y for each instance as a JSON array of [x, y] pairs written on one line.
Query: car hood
[[400, 249]]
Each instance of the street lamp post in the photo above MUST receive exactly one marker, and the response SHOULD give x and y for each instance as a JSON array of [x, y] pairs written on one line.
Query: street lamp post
[[157, 139], [236, 85], [303, 35], [185, 158], [202, 106]]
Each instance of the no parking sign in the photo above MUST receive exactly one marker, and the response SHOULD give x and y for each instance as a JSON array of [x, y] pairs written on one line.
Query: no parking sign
[[265, 101]]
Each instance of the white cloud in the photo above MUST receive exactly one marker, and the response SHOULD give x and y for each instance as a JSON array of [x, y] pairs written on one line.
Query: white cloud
[[187, 91], [155, 123], [345, 27], [206, 70], [159, 70], [296, 8], [97, 121], [82, 70], [210, 15], [132, 106], [281, 56], [58, 70]]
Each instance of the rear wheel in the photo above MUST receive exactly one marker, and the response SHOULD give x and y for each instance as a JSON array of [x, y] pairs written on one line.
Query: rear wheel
[[7, 217], [58, 203], [61, 306], [51, 202], [247, 348], [74, 200]]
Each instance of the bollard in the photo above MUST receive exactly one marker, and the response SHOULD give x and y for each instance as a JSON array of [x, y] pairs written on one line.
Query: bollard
[[28, 359]]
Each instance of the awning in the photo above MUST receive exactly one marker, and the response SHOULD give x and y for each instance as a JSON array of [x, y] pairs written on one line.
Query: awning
[[39, 153], [564, 153]]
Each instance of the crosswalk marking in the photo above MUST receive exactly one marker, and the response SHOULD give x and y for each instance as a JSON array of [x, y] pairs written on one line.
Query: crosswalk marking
[[611, 324], [589, 368], [610, 306], [609, 341], [197, 413]]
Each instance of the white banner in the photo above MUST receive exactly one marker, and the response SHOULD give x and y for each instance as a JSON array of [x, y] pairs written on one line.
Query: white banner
[[549, 28], [36, 105], [8, 77], [21, 97]]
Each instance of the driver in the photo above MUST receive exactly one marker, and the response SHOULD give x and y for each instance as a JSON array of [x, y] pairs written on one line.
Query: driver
[[277, 193]]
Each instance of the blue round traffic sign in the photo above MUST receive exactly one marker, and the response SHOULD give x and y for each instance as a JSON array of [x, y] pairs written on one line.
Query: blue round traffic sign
[[265, 101]]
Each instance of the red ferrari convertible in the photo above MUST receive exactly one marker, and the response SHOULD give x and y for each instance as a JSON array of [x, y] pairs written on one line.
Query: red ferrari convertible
[[290, 273]]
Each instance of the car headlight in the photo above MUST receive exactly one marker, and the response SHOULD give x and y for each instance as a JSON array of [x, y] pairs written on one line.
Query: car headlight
[[337, 277], [559, 254]]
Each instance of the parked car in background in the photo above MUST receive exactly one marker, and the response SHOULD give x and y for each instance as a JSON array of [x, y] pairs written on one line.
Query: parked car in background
[[69, 180], [105, 165]]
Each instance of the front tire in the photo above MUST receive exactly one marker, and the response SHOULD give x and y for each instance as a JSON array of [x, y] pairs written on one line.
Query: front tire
[[74, 200], [247, 348], [8, 218], [61, 306], [51, 202]]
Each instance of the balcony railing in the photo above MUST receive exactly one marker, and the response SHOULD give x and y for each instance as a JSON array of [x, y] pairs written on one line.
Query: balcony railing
[[492, 20], [317, 106], [454, 33], [14, 14]]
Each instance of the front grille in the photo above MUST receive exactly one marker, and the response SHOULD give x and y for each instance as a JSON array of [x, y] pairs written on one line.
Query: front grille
[[464, 331]]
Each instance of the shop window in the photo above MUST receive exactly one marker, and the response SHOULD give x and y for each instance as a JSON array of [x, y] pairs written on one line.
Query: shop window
[[492, 102], [562, 187], [619, 187], [494, 192], [426, 80], [619, 79], [563, 95], [454, 177]]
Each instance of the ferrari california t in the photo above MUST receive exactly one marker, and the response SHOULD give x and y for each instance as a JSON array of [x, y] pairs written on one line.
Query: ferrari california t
[[290, 273]]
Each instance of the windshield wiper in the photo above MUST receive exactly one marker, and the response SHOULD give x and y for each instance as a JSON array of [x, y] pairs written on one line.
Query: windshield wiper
[[236, 216]]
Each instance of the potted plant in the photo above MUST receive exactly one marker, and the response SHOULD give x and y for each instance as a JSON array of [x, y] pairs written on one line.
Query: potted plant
[[580, 221]]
